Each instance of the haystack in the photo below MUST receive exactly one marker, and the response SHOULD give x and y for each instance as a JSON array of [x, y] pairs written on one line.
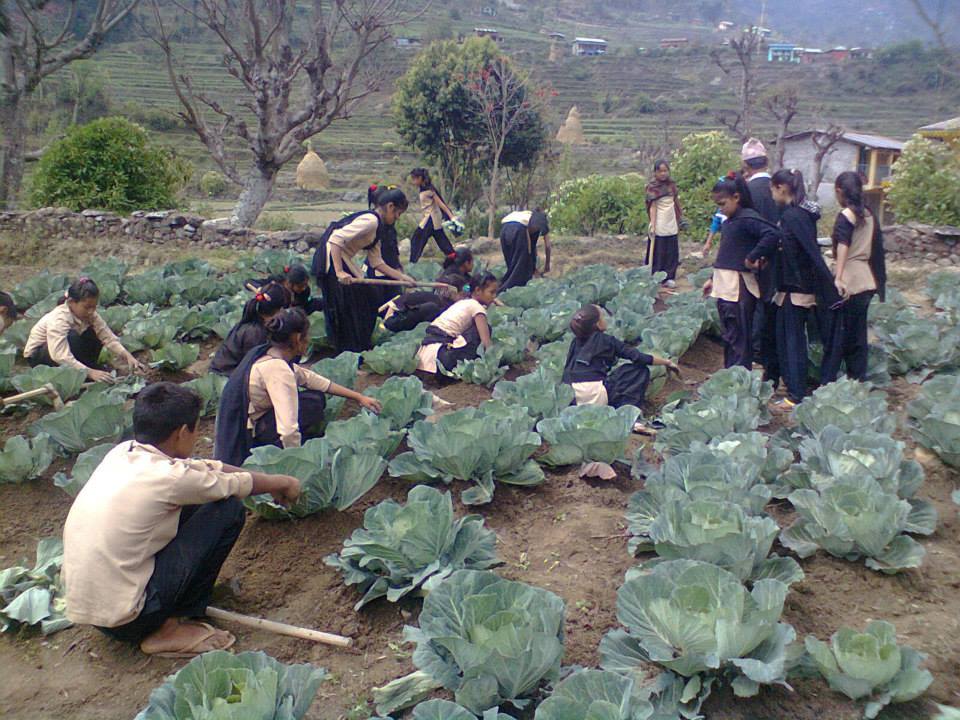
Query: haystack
[[312, 172], [571, 132], [556, 52]]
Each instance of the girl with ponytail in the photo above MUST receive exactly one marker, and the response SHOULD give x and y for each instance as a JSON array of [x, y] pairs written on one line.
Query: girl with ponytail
[[251, 331], [296, 281], [73, 334], [861, 273], [435, 211], [271, 399]]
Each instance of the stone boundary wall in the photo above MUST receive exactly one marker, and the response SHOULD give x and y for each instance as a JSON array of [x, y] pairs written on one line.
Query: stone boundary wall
[[156, 228], [938, 244]]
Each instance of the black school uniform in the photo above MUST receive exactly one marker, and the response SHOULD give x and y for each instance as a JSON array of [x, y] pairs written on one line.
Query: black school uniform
[[734, 287], [803, 283], [412, 308], [765, 315], [241, 339], [589, 363], [431, 226], [519, 235]]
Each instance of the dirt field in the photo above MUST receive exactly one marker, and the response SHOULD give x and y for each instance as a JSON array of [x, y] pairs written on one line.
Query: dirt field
[[565, 535]]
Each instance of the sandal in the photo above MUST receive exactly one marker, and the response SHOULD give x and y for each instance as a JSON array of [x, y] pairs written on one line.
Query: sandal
[[191, 650]]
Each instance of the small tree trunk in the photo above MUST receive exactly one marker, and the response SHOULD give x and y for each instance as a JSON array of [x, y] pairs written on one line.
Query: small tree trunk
[[256, 191], [492, 197], [13, 131]]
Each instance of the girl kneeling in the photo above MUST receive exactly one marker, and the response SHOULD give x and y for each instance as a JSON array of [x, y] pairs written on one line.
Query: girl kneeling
[[251, 330], [262, 403], [459, 331], [73, 334], [593, 354]]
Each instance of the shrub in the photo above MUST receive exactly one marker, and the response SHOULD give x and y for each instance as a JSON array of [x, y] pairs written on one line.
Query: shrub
[[924, 183], [274, 222], [213, 183], [597, 203], [109, 164], [701, 159]]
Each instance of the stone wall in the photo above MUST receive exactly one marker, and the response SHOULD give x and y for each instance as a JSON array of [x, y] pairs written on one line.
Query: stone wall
[[156, 228], [917, 242]]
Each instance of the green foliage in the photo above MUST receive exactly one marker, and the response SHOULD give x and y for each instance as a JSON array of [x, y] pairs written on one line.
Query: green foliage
[[108, 164], [396, 356], [700, 160], [600, 204], [95, 418], [486, 369], [934, 417], [83, 468], [923, 187], [541, 393], [213, 184], [846, 404], [403, 548], [174, 356], [490, 641], [28, 293], [31, 596], [246, 686], [589, 694], [208, 387], [22, 459], [870, 665], [68, 381], [403, 400], [587, 433], [341, 370]]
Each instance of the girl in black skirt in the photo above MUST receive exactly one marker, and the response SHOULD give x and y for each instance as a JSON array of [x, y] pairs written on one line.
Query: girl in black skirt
[[351, 310], [405, 312], [663, 207], [460, 330], [435, 211], [518, 240]]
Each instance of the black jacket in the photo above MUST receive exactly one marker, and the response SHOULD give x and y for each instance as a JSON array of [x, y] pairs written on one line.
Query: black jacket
[[592, 359], [739, 236], [242, 338], [763, 201]]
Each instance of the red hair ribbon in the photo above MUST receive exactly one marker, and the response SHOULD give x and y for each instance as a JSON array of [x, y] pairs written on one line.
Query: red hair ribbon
[[286, 268], [731, 175], [452, 255], [260, 297], [373, 187]]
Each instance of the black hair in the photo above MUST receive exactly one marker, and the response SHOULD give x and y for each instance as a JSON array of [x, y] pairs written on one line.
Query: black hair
[[850, 184], [385, 195], [296, 274], [659, 163], [793, 179], [734, 184], [163, 408], [584, 321], [266, 301], [288, 322], [7, 303], [80, 289], [479, 282], [757, 163], [424, 175], [458, 258]]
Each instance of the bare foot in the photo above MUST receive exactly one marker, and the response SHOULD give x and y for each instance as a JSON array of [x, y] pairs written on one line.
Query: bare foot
[[179, 637]]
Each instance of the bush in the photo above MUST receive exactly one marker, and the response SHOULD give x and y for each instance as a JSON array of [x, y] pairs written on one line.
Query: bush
[[276, 222], [924, 183], [597, 203], [108, 164], [213, 184], [645, 104], [701, 159]]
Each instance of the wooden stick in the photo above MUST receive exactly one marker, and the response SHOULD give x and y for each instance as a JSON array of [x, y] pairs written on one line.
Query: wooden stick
[[399, 283], [47, 390], [280, 628]]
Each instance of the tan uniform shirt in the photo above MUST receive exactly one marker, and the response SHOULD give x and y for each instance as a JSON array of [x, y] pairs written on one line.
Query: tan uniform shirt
[[454, 321], [803, 300], [127, 512], [726, 284], [856, 272], [54, 327], [354, 237], [666, 224], [431, 209], [273, 384]]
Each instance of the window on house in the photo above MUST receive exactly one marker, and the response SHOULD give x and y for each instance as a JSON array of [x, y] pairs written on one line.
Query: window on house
[[863, 162]]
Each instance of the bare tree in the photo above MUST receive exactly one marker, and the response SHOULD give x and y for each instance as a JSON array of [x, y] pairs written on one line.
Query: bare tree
[[951, 58], [294, 88], [38, 38], [824, 142], [783, 104], [745, 71], [505, 102]]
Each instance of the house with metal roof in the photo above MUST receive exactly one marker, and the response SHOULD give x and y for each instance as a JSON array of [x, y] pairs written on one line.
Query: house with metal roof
[[584, 47], [947, 131]]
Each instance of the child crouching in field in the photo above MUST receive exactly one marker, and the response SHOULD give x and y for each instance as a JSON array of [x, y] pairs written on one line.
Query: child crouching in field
[[251, 331], [590, 361], [460, 330], [147, 535]]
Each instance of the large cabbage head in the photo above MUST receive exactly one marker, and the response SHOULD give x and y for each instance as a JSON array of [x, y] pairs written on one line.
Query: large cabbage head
[[587, 433], [846, 404], [934, 417], [693, 617]]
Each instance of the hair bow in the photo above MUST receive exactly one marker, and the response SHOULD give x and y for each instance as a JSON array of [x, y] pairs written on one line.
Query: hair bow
[[373, 187], [286, 268], [731, 175]]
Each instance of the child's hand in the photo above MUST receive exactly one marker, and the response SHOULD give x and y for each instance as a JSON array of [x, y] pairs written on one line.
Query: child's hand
[[100, 376], [752, 264], [708, 287], [672, 367], [287, 490], [370, 404]]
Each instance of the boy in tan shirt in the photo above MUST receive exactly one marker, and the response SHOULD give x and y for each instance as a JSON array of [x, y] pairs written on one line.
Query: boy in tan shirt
[[147, 535]]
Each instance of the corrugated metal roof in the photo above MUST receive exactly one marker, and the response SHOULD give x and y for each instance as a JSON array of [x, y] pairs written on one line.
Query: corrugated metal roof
[[871, 141], [596, 41], [951, 124]]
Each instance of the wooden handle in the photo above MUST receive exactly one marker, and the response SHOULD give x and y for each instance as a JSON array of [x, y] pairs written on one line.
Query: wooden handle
[[398, 283], [46, 390], [280, 628]]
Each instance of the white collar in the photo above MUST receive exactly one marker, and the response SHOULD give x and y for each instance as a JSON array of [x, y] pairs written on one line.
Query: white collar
[[763, 174]]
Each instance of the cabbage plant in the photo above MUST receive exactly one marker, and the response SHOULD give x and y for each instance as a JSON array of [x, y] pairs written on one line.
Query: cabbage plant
[[550, 322], [488, 640], [847, 404], [246, 686], [403, 400], [486, 369], [25, 459], [396, 356], [934, 417], [209, 387], [94, 418], [694, 618], [36, 288], [748, 386], [553, 356], [364, 433], [330, 477], [513, 339], [705, 419], [18, 333], [918, 346], [8, 357], [153, 331], [870, 666], [589, 694], [854, 517], [445, 710], [342, 370], [405, 548], [531, 295], [492, 442], [34, 596], [724, 535], [67, 381], [174, 356], [769, 453], [587, 433], [540, 392], [83, 468]]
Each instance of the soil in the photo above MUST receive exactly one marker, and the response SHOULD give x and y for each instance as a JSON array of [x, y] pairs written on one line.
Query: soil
[[566, 535]]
